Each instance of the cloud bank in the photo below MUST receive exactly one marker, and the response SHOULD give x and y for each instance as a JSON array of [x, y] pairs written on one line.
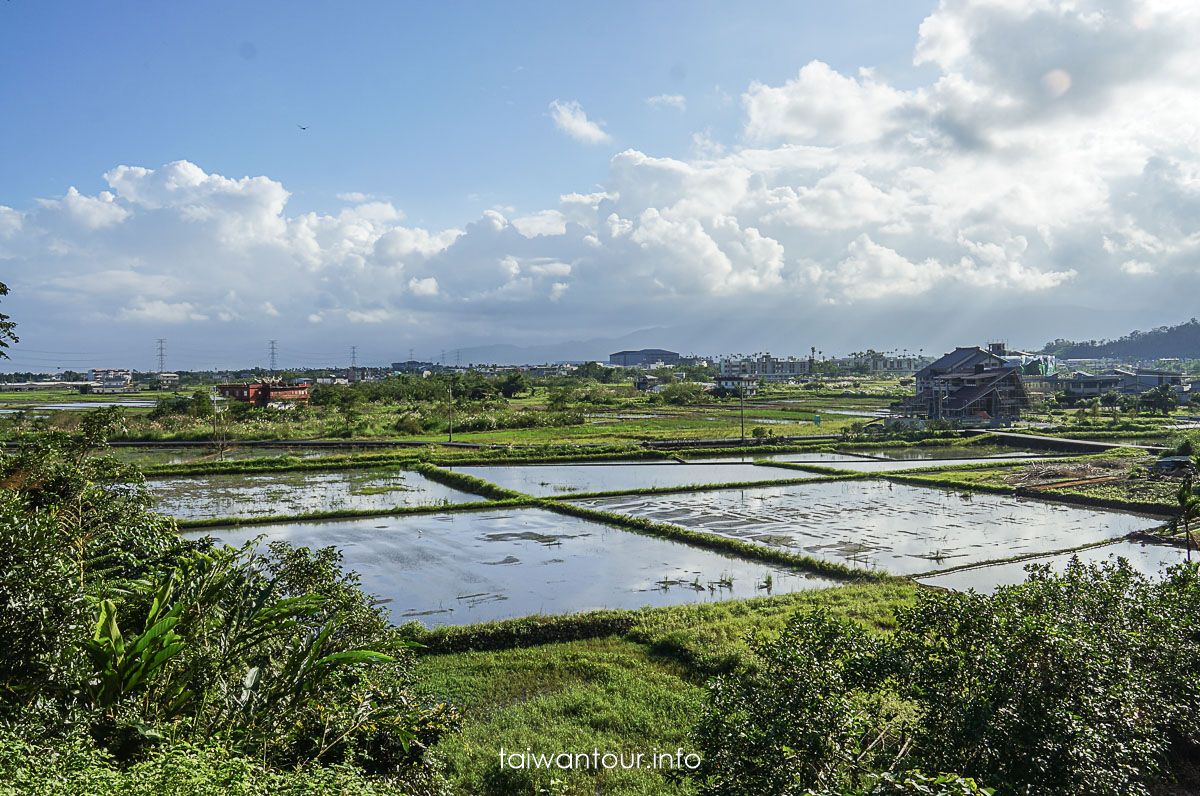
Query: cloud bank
[[1049, 174]]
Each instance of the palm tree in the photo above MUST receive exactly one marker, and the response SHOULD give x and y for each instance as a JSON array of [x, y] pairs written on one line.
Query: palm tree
[[1189, 509]]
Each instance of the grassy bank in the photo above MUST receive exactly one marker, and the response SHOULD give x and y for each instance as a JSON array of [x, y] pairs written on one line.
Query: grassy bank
[[616, 681]]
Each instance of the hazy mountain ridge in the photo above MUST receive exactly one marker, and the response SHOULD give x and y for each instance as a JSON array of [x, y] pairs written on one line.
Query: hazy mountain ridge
[[1182, 341]]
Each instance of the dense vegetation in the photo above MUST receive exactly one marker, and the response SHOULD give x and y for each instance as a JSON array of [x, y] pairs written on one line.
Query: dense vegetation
[[1182, 341], [133, 655], [1075, 684]]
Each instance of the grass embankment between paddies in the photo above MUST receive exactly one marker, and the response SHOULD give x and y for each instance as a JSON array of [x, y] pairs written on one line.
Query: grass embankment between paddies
[[1031, 558], [350, 514], [409, 455], [608, 680], [1143, 497], [700, 635], [468, 483], [720, 544], [942, 482], [820, 469], [281, 464]]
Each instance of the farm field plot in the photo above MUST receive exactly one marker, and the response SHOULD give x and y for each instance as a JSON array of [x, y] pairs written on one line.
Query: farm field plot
[[465, 567], [183, 454], [879, 525], [547, 480], [1149, 559], [886, 459], [278, 494]]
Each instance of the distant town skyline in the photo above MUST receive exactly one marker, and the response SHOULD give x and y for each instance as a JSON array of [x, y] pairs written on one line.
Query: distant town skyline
[[701, 177]]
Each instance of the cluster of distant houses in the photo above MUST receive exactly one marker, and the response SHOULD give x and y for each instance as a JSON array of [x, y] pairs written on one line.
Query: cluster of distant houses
[[972, 385]]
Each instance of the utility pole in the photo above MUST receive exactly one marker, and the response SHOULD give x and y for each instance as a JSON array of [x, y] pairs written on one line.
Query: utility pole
[[162, 355], [274, 357], [450, 409], [742, 401]]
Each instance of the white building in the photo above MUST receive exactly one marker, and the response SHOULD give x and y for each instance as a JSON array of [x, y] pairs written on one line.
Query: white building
[[766, 368]]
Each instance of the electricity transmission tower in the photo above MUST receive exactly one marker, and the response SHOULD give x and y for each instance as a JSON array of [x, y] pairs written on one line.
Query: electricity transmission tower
[[162, 355], [274, 357]]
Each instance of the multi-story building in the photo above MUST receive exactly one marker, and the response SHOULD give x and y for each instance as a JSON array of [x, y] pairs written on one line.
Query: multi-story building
[[109, 380], [642, 358], [766, 368], [970, 385], [264, 393]]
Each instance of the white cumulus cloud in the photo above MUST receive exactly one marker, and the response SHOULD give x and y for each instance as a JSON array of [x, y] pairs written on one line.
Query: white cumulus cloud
[[570, 118]]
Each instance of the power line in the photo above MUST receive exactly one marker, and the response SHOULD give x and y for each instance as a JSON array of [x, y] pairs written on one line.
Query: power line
[[162, 355]]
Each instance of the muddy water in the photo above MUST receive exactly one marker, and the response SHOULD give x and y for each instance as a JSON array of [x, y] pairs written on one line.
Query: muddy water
[[478, 566], [1147, 559], [268, 494], [874, 524], [544, 480]]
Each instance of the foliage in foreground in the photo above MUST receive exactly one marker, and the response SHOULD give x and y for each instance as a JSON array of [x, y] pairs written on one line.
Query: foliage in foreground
[[121, 632], [1073, 684]]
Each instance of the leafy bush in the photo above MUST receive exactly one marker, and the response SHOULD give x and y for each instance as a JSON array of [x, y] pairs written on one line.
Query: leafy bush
[[119, 628], [1079, 683]]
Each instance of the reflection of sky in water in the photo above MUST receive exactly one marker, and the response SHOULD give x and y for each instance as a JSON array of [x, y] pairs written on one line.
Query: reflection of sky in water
[[898, 528], [887, 459], [267, 494], [544, 480], [1149, 559], [479, 566]]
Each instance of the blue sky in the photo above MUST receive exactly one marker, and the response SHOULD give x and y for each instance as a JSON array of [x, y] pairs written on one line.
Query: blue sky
[[740, 176], [442, 107]]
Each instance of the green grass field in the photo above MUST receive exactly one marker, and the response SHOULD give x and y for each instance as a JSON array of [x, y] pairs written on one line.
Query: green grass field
[[637, 691]]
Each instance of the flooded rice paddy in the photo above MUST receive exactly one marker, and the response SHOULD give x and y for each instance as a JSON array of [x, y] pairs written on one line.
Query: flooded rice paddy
[[272, 494], [479, 566], [880, 525], [887, 459], [547, 480], [1149, 559]]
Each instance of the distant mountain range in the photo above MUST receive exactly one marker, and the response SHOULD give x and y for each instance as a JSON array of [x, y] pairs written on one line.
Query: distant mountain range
[[1182, 341]]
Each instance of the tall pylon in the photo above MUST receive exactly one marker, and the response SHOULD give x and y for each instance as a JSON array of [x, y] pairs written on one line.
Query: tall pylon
[[162, 355], [354, 356], [274, 357]]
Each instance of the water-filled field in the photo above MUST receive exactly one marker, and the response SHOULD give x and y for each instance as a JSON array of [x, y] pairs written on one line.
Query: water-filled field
[[546, 480], [876, 524], [887, 459], [272, 494], [478, 566], [1149, 559]]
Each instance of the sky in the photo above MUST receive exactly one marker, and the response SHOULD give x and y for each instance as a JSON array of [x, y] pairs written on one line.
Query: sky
[[701, 176]]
